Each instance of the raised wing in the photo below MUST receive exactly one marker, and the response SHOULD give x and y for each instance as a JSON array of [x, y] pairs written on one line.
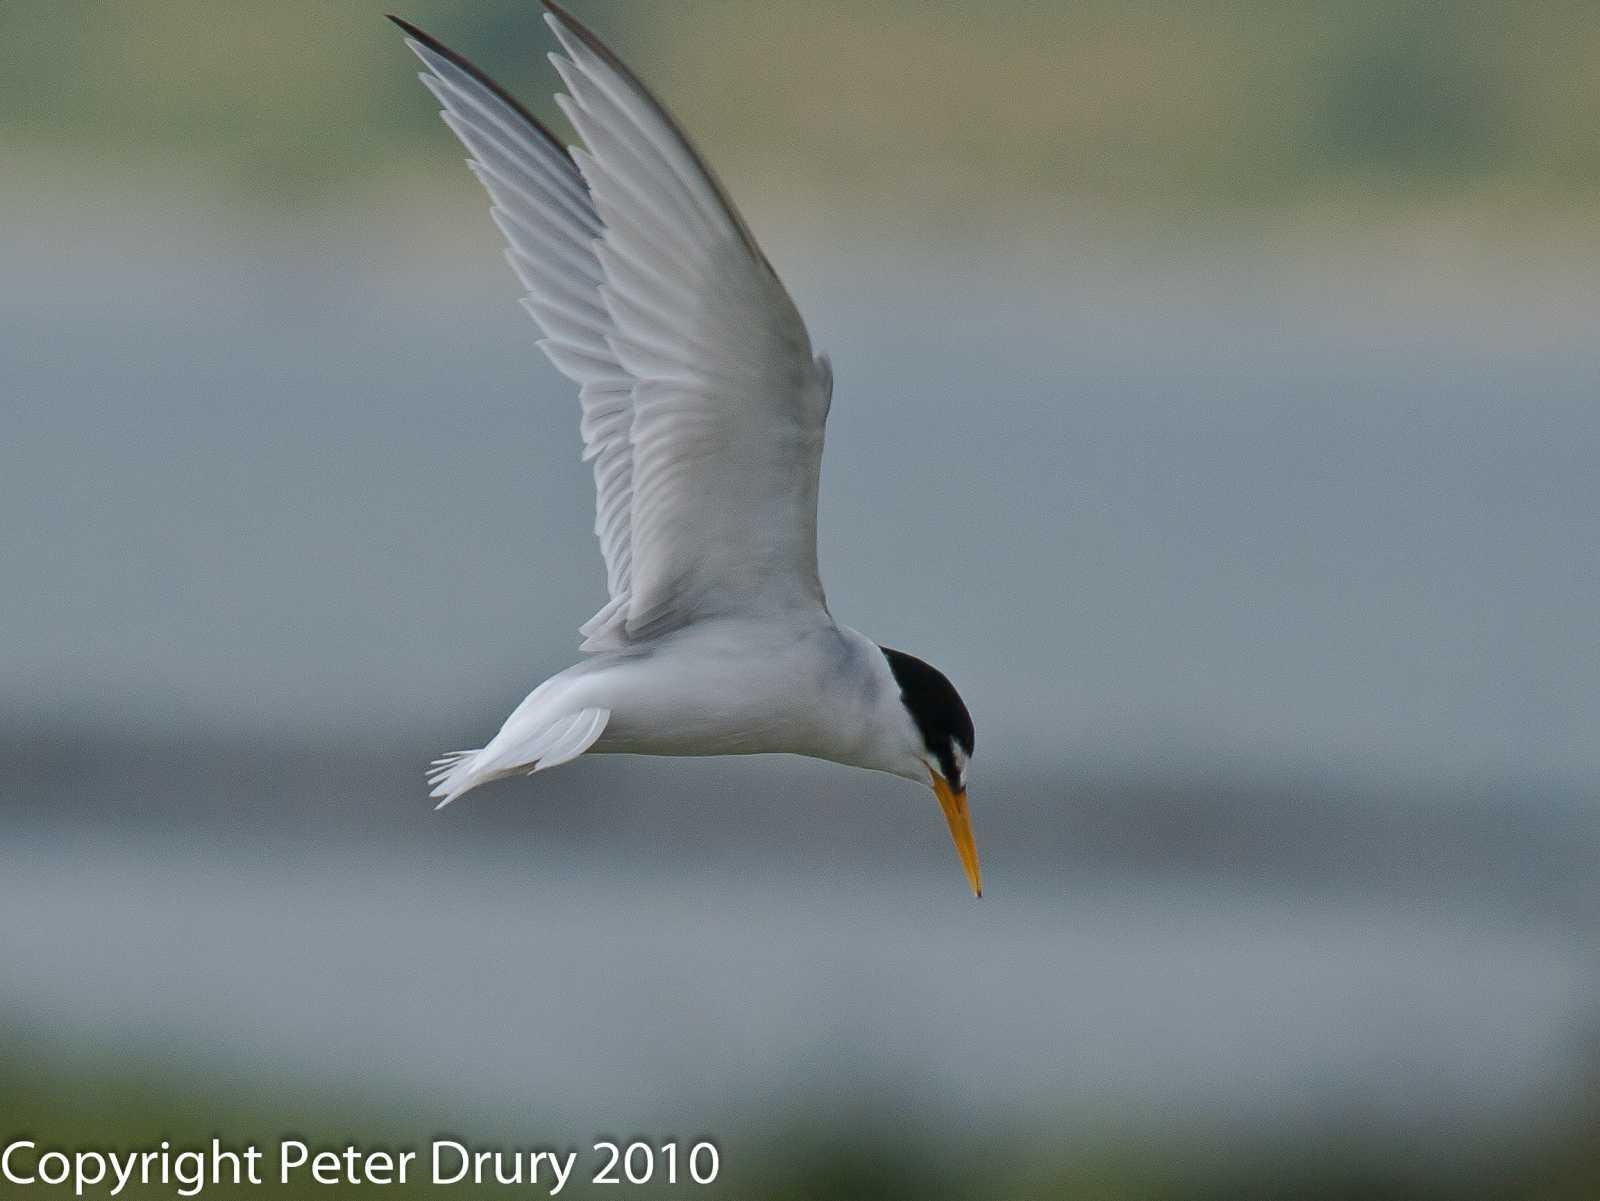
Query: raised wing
[[688, 349], [542, 205]]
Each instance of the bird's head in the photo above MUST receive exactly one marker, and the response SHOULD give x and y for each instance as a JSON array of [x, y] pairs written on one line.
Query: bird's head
[[939, 747]]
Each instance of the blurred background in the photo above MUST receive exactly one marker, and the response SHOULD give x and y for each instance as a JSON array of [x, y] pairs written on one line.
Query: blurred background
[[1216, 404]]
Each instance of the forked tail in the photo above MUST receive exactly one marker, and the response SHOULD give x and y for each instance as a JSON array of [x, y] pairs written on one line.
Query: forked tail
[[517, 749]]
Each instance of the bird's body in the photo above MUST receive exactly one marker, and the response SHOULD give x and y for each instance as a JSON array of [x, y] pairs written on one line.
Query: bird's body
[[703, 410], [731, 686]]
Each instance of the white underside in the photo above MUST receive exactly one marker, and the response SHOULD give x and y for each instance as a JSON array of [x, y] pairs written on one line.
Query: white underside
[[801, 686]]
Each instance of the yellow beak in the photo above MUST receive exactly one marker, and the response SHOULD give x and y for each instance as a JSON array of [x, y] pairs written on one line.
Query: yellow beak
[[955, 812]]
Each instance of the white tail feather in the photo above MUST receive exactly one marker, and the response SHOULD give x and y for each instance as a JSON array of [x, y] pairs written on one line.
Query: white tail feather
[[516, 749]]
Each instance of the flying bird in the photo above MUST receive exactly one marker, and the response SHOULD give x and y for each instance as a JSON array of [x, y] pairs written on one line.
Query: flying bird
[[702, 411]]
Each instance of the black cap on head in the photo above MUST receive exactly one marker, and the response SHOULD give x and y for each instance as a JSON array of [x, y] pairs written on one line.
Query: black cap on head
[[935, 707]]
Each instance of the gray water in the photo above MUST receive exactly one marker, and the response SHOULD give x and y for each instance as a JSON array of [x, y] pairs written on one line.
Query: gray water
[[1334, 505], [530, 984], [1268, 572]]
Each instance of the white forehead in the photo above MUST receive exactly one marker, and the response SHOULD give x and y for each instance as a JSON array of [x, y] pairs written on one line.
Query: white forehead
[[959, 757]]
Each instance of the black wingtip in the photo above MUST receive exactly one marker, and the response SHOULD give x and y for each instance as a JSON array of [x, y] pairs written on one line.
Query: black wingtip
[[592, 40], [471, 68], [608, 56], [409, 29], [431, 42]]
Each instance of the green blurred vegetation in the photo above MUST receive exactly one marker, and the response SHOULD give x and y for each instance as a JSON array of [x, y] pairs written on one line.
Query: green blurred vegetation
[[1198, 105], [868, 1150]]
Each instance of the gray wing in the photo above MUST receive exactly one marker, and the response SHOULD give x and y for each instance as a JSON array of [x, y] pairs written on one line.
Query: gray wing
[[543, 208], [703, 406]]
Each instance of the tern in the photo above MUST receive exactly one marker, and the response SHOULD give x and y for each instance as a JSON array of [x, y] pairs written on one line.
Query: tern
[[702, 410]]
